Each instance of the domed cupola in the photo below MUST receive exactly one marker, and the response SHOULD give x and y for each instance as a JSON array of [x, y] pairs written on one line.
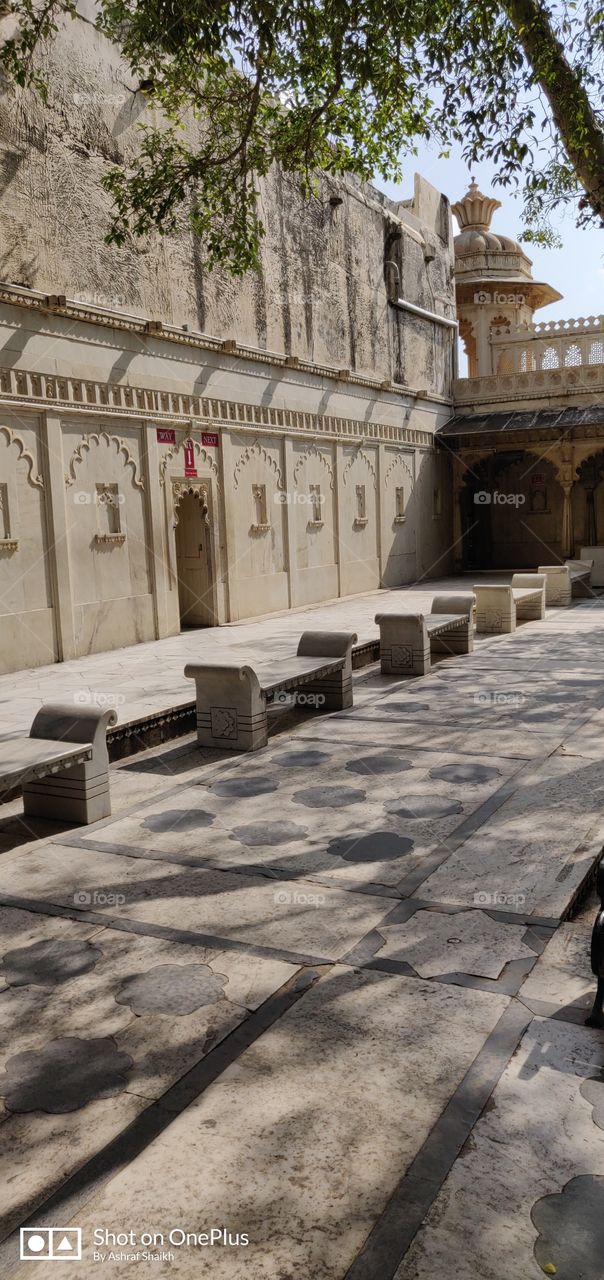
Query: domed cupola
[[493, 279]]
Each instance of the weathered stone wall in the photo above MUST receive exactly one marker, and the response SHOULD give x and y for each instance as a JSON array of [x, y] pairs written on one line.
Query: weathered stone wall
[[149, 477], [321, 292]]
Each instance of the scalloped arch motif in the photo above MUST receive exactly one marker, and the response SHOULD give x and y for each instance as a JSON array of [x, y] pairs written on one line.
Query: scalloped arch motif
[[399, 460], [256, 450], [95, 437], [359, 454], [313, 452], [13, 438], [202, 453]]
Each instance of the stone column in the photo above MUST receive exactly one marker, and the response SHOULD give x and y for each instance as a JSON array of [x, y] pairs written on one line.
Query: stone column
[[567, 479], [58, 549], [568, 536]]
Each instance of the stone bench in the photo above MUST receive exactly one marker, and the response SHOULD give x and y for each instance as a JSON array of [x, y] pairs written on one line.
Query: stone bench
[[63, 766], [563, 581], [232, 700], [500, 606], [408, 640]]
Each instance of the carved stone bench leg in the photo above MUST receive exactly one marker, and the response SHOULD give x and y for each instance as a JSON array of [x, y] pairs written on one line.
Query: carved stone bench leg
[[461, 640], [530, 610], [80, 793], [558, 586], [404, 644], [335, 687], [495, 611], [231, 709]]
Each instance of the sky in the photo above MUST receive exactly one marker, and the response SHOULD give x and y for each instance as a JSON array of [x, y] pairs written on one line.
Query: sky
[[576, 270]]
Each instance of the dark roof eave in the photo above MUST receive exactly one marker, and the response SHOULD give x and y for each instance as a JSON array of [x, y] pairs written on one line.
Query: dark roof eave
[[507, 421]]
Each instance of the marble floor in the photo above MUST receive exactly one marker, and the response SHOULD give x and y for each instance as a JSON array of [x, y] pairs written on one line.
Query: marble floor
[[318, 1012]]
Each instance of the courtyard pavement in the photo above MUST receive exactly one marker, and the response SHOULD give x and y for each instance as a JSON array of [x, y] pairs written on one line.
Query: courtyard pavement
[[327, 1000]]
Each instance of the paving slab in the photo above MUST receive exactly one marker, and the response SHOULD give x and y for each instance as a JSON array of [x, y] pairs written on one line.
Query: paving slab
[[78, 998], [276, 1157], [562, 982], [300, 920], [537, 848], [369, 818], [468, 942], [527, 1192]]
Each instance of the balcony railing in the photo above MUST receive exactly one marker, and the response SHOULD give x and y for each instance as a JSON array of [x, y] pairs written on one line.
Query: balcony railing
[[555, 344]]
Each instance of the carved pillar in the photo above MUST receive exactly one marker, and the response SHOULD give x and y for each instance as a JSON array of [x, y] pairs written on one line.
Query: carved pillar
[[567, 477], [568, 535]]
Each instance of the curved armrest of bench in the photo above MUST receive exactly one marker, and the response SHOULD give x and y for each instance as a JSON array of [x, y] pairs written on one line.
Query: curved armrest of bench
[[216, 671], [462, 604], [398, 617], [326, 644], [61, 722], [552, 569], [536, 580]]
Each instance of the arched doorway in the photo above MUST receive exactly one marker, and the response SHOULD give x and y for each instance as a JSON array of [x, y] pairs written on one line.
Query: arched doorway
[[194, 558], [512, 512]]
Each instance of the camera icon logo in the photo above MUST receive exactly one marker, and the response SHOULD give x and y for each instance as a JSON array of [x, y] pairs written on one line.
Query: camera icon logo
[[482, 498], [50, 1244], [82, 898]]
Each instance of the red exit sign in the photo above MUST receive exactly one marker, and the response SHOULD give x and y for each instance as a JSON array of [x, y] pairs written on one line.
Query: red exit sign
[[210, 439]]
